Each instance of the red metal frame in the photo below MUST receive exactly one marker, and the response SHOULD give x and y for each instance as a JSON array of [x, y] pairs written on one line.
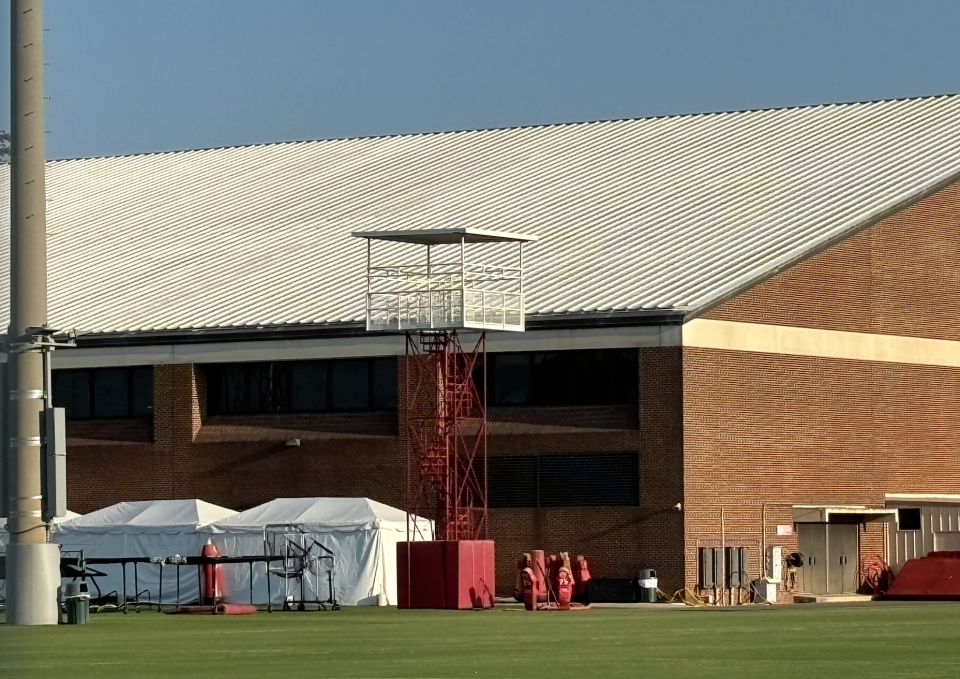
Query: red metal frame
[[446, 429]]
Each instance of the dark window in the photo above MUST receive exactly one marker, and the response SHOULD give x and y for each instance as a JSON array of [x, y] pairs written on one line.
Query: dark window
[[589, 480], [511, 379], [909, 519], [268, 388], [141, 392], [231, 389], [111, 390], [71, 391], [104, 393], [309, 387], [351, 384], [385, 384], [562, 378], [512, 481], [348, 385], [579, 480]]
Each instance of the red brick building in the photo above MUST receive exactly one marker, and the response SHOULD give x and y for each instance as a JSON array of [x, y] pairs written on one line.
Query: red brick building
[[739, 332]]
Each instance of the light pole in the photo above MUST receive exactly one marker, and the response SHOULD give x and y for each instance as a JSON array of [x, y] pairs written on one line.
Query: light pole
[[33, 565]]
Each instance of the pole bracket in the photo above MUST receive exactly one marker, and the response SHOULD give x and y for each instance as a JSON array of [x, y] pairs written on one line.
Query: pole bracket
[[27, 394], [33, 441]]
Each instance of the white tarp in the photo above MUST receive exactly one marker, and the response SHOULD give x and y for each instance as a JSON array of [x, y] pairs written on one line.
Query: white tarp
[[153, 528], [362, 534]]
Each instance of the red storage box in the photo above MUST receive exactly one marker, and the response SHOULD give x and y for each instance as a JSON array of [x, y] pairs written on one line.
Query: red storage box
[[935, 576], [456, 574]]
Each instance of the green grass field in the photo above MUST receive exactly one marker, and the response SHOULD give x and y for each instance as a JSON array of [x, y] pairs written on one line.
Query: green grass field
[[814, 642]]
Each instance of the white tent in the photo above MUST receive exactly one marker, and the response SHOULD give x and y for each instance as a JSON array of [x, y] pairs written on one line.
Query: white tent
[[361, 534], [153, 528]]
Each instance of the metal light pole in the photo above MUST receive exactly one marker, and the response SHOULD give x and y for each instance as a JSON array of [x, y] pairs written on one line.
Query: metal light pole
[[33, 564]]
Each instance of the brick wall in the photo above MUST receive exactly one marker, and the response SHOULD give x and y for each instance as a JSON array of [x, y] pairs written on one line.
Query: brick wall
[[242, 462], [783, 430], [618, 541], [235, 462], [765, 431], [898, 277]]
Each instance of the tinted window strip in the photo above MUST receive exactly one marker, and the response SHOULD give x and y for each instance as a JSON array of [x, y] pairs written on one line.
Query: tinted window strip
[[231, 387]]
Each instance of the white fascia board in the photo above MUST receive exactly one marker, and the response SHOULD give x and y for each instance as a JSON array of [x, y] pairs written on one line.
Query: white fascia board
[[922, 498], [356, 347]]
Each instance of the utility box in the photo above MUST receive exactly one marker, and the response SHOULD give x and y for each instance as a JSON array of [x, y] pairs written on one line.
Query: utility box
[[737, 567], [708, 563], [765, 591], [53, 463], [450, 574], [774, 564]]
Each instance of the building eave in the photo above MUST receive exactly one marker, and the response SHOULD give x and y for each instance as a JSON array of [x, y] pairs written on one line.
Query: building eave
[[571, 321]]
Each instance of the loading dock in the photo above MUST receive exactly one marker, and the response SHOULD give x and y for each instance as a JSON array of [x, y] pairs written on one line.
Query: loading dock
[[828, 537]]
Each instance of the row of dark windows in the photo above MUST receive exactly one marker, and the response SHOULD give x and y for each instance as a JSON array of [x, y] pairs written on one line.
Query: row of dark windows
[[561, 378], [540, 378], [579, 480], [345, 385], [104, 392]]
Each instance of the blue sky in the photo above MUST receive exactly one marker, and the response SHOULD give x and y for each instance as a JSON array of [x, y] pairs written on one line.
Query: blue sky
[[129, 76]]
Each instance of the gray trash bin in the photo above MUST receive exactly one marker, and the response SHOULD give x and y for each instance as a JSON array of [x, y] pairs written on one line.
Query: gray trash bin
[[77, 598], [648, 586]]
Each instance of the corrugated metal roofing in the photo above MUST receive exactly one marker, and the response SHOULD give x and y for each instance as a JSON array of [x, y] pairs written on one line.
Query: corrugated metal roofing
[[659, 213]]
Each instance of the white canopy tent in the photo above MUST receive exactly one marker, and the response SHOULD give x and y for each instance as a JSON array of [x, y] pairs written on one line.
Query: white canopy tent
[[152, 528], [361, 534]]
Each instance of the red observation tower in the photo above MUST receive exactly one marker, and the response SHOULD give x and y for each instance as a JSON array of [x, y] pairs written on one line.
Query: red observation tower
[[444, 289]]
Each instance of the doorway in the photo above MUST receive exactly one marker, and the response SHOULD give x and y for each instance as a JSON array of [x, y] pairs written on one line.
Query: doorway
[[831, 557]]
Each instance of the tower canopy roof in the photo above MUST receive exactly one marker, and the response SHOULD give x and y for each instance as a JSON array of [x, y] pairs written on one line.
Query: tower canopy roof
[[446, 236]]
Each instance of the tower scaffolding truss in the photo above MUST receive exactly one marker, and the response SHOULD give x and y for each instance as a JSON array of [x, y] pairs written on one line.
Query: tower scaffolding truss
[[455, 285], [446, 432]]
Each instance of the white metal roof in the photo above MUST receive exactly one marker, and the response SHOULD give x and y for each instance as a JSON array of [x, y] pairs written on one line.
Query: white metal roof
[[660, 213]]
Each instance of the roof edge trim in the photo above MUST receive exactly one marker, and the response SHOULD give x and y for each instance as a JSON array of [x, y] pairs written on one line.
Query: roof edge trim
[[563, 123], [570, 321]]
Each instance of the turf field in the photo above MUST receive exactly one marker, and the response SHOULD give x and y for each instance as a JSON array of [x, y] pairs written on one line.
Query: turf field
[[816, 642]]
